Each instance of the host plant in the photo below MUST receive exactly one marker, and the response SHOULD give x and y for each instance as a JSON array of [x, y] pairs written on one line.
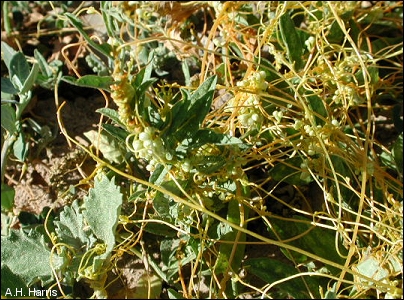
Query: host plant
[[270, 97]]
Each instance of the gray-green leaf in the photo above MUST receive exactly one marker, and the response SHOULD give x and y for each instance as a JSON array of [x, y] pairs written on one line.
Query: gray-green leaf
[[102, 209], [70, 227], [27, 256]]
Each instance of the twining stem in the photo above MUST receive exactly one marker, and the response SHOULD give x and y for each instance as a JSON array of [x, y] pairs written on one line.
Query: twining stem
[[189, 202], [237, 213]]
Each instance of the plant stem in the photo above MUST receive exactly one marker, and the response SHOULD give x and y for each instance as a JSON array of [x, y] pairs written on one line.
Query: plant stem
[[8, 142]]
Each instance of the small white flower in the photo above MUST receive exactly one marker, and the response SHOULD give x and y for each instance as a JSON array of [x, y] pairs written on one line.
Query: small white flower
[[310, 43], [298, 124], [335, 123], [137, 145], [143, 136]]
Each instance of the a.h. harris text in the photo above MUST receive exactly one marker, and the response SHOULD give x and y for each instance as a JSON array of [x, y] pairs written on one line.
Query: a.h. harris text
[[31, 292]]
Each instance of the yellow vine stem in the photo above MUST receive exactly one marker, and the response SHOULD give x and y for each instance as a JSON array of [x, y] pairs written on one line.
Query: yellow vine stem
[[70, 63], [273, 284], [371, 282], [218, 21], [236, 241], [55, 246], [366, 77]]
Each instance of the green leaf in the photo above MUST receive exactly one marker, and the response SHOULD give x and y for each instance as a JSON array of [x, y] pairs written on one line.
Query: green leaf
[[7, 87], [111, 113], [8, 118], [149, 68], [50, 74], [43, 64], [185, 71], [7, 197], [208, 164], [20, 147], [291, 39], [31, 79], [189, 113], [169, 249], [143, 103], [208, 136], [316, 240], [148, 286], [104, 48], [12, 285], [69, 227], [344, 171], [160, 229], [19, 70], [7, 54], [271, 270], [27, 256], [102, 209], [115, 133], [335, 34], [173, 294], [233, 216], [159, 174], [107, 144], [289, 171], [164, 205], [91, 81], [397, 153], [317, 106]]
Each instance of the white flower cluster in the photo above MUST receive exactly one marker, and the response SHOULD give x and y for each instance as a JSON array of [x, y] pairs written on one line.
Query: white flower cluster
[[311, 136], [249, 114], [256, 82], [149, 147], [315, 165], [348, 94], [217, 6]]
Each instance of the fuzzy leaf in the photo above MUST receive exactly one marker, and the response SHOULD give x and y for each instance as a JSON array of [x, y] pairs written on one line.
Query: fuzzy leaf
[[7, 197], [70, 227], [372, 267], [108, 146], [27, 256], [12, 285], [102, 209]]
